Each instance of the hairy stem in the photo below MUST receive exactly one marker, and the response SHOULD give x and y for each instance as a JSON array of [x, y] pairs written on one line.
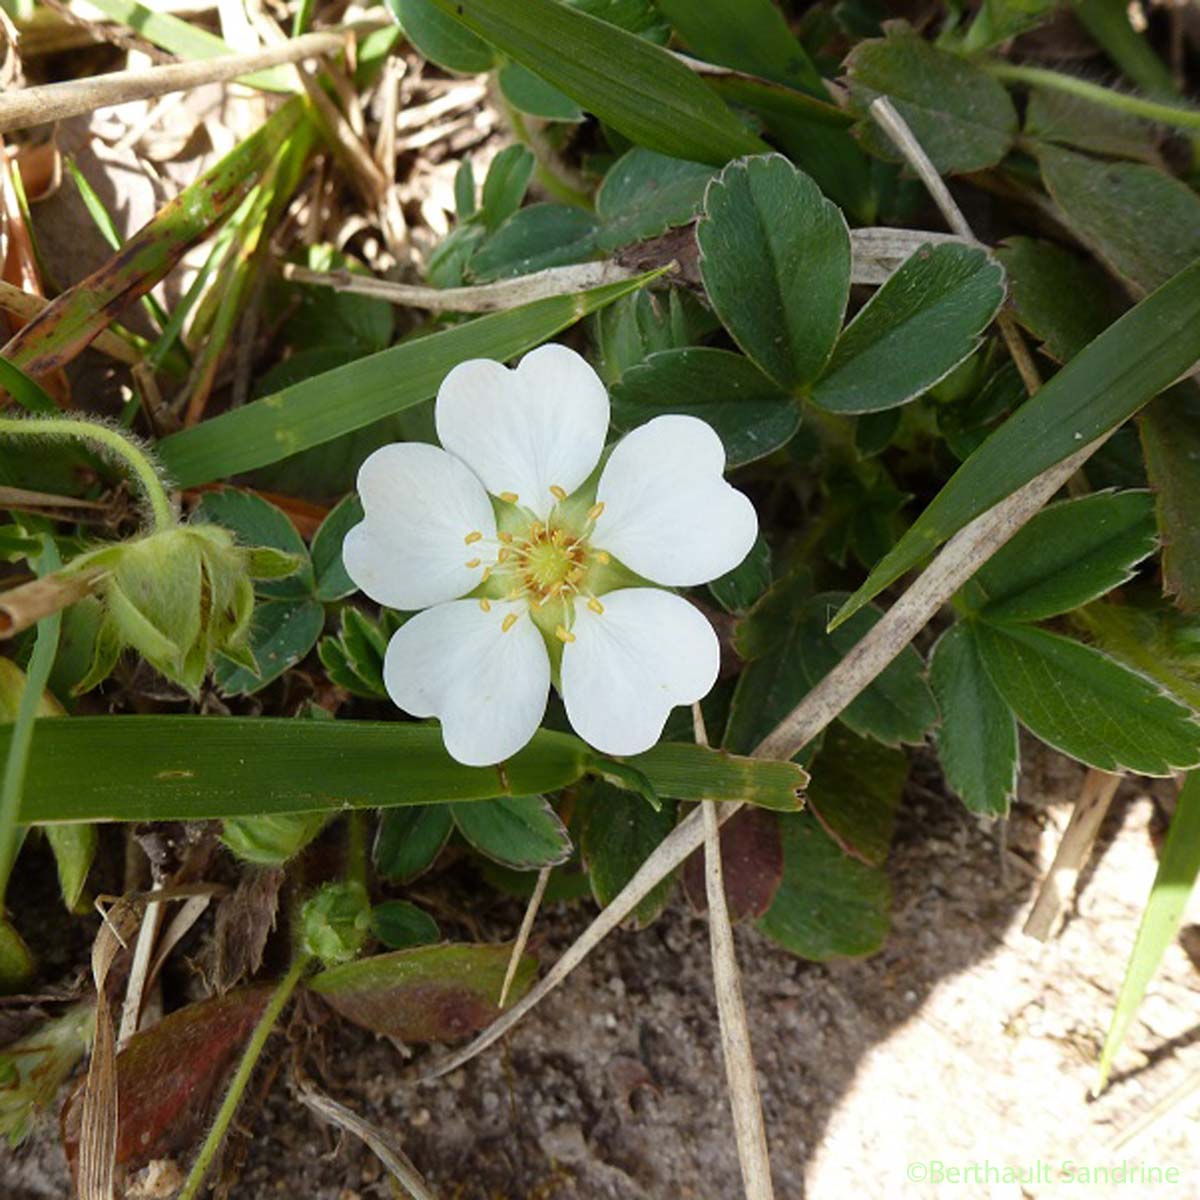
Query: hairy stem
[[233, 1097], [139, 463], [1178, 116]]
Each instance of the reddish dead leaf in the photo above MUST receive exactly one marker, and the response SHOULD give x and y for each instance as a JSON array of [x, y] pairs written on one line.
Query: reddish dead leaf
[[170, 1077], [427, 994], [752, 862]]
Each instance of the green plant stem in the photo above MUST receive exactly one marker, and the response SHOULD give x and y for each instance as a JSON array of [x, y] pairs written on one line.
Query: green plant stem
[[547, 176], [1174, 115], [40, 664], [233, 1097], [139, 463]]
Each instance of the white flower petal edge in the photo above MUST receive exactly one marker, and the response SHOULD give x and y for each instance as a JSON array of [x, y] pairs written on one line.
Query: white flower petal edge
[[420, 504], [524, 431], [668, 513], [630, 665], [488, 685]]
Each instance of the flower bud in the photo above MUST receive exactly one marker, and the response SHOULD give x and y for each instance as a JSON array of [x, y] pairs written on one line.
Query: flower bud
[[178, 597], [335, 922]]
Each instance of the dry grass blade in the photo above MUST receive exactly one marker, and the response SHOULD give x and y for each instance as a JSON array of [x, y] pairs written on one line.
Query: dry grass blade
[[740, 1074], [956, 563], [57, 101], [531, 911], [392, 1157], [1087, 815], [26, 306], [488, 297], [98, 1132], [25, 605]]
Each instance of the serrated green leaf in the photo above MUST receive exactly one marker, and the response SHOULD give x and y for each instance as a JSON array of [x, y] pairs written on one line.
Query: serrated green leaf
[[1067, 555], [752, 415], [828, 905], [1128, 364], [1063, 300], [962, 117], [620, 831], [534, 238], [855, 793], [644, 194], [977, 739], [506, 183], [517, 831], [775, 260], [410, 839], [399, 924], [654, 100], [737, 591], [1083, 703], [282, 632], [924, 321], [1053, 116], [357, 395], [332, 582]]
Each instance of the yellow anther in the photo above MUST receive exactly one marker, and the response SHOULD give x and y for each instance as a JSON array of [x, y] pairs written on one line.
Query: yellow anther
[[475, 562], [473, 536], [485, 604], [536, 530], [564, 634], [508, 622], [487, 574], [506, 538], [503, 555], [602, 557], [595, 606], [557, 492], [509, 497], [595, 511], [557, 537], [575, 575]]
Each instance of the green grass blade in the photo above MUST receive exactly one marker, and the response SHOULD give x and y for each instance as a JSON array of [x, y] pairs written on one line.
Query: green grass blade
[[1133, 360], [638, 88], [380, 385], [1178, 869], [19, 744], [69, 323], [198, 768]]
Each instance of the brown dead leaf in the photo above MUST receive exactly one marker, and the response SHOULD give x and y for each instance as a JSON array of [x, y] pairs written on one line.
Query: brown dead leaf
[[244, 921]]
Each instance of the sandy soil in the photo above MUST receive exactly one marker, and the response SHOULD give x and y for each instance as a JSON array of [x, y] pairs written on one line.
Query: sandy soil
[[962, 1043]]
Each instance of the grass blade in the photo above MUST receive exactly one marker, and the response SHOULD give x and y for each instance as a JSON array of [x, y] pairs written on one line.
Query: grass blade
[[1178, 869], [74, 319], [351, 397], [1133, 360], [194, 768], [653, 99]]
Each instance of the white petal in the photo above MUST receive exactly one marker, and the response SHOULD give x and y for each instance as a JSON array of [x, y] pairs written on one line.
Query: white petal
[[668, 513], [411, 550], [526, 430], [630, 665], [488, 686]]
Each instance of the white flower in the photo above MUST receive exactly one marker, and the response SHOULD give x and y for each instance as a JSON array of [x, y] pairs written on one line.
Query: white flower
[[551, 577]]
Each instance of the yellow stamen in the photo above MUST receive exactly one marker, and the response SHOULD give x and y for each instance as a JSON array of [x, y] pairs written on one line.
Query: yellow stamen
[[473, 536], [557, 537], [601, 556], [503, 555], [557, 492], [595, 511], [576, 575], [506, 538], [595, 606], [564, 634], [508, 622], [487, 574], [536, 530], [475, 562], [509, 497], [485, 604]]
